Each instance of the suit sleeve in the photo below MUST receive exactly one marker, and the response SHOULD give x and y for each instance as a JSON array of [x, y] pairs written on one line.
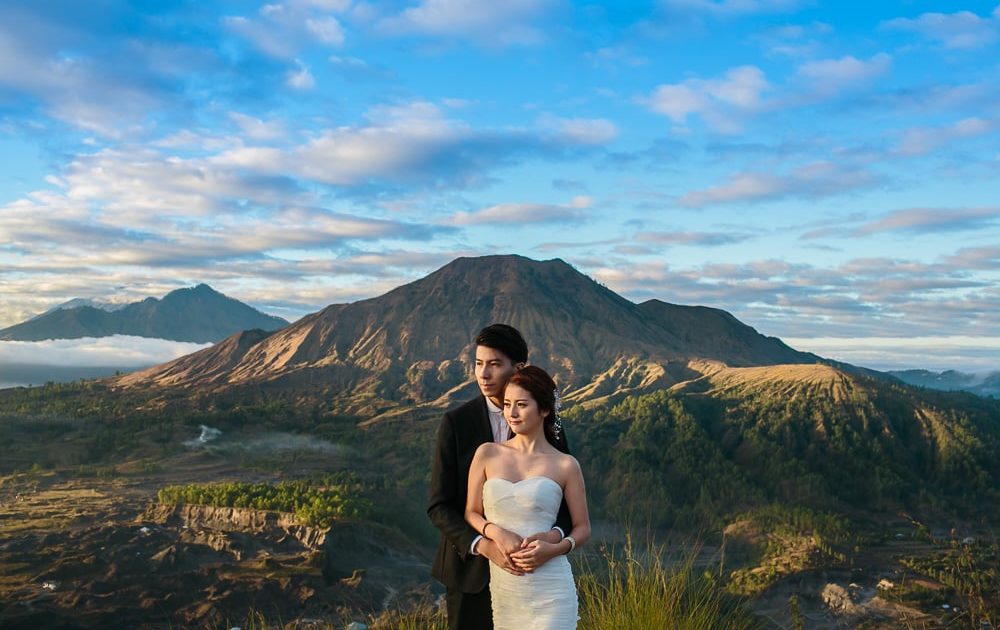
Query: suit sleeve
[[445, 507]]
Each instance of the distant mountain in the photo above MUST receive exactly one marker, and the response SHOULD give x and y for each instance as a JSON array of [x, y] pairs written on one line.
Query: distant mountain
[[951, 380], [78, 302], [413, 345], [199, 314]]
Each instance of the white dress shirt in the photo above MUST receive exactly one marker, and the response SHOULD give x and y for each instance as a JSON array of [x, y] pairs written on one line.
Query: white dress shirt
[[501, 430]]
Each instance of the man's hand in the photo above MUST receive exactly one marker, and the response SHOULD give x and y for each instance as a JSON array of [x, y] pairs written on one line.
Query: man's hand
[[552, 536], [491, 551]]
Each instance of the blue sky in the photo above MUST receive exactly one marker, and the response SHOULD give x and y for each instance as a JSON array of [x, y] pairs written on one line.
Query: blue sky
[[826, 172]]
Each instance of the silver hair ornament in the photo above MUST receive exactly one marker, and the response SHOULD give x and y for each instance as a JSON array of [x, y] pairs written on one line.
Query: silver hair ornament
[[557, 426]]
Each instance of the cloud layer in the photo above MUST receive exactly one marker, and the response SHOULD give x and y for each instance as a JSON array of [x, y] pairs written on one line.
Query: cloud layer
[[122, 351]]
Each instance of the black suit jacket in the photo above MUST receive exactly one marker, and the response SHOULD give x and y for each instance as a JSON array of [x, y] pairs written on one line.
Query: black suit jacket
[[461, 432]]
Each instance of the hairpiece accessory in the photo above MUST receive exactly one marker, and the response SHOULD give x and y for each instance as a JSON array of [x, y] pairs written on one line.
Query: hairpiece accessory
[[556, 406]]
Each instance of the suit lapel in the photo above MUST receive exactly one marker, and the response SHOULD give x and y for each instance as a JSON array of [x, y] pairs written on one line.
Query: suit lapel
[[485, 429]]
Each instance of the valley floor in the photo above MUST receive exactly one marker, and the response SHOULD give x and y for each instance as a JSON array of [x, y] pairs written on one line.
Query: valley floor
[[88, 551]]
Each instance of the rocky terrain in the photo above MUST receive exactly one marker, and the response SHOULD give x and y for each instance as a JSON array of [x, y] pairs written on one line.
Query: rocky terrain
[[99, 553]]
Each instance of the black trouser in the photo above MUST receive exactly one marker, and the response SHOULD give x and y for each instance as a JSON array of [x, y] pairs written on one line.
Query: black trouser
[[469, 611]]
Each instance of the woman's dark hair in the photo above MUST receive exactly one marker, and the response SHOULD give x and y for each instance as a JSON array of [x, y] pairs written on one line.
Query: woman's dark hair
[[506, 339], [542, 388]]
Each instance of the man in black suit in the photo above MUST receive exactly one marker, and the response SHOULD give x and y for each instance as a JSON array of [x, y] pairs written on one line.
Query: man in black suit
[[461, 563]]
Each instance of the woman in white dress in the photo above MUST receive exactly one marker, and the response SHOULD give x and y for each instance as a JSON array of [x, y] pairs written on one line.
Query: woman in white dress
[[515, 490]]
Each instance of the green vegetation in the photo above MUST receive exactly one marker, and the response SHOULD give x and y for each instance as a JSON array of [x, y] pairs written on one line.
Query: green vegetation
[[680, 459], [632, 588], [638, 590], [687, 460], [314, 503], [970, 574], [422, 618], [649, 459], [776, 541], [798, 621]]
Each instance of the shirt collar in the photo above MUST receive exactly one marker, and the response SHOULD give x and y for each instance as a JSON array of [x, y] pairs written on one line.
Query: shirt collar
[[491, 407]]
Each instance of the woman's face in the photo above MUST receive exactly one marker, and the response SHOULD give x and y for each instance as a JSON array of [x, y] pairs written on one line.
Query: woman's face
[[521, 410]]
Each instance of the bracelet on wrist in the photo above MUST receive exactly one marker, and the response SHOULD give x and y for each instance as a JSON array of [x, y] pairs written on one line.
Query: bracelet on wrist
[[572, 544], [485, 525]]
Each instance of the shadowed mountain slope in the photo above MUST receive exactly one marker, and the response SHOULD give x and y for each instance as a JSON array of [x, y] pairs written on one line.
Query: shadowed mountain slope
[[199, 314], [812, 436], [951, 380], [413, 344]]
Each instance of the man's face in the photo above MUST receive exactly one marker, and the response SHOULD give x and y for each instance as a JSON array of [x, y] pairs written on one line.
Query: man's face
[[493, 370]]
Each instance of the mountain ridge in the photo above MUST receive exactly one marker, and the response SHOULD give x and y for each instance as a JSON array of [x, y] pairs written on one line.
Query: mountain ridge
[[197, 314], [951, 380], [413, 344]]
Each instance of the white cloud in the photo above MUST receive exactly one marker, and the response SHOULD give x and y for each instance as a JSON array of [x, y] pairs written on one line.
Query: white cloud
[[739, 187], [818, 179], [326, 29], [301, 79], [257, 129], [524, 213], [923, 140], [968, 354], [700, 239], [734, 7], [931, 220], [727, 102], [281, 30], [722, 102], [585, 131], [481, 22], [336, 6], [830, 76], [114, 351], [960, 30], [862, 298], [398, 141], [79, 90]]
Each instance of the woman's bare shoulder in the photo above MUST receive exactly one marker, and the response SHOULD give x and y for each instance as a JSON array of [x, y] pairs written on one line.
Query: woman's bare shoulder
[[486, 449], [568, 464]]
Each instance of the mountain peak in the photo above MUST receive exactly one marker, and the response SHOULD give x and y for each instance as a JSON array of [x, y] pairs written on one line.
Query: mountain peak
[[414, 343], [515, 262], [198, 314], [200, 289], [524, 279]]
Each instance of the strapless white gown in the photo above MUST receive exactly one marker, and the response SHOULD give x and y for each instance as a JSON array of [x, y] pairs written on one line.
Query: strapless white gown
[[546, 598]]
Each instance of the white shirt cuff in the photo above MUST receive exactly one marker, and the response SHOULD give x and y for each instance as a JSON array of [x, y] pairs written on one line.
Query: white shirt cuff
[[475, 541], [555, 527]]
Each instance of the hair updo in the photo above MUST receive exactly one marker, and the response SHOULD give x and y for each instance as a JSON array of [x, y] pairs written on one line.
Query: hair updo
[[542, 388]]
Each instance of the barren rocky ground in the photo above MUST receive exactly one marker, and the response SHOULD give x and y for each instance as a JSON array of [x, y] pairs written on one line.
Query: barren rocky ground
[[96, 552]]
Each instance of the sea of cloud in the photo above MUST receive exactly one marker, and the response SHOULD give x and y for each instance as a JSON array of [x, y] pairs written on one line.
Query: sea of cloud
[[60, 360], [974, 355]]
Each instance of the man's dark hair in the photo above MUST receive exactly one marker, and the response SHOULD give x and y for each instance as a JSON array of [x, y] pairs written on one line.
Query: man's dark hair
[[506, 339]]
